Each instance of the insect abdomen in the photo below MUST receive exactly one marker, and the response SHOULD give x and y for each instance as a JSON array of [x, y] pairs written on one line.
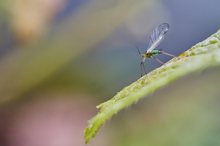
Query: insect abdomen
[[155, 52]]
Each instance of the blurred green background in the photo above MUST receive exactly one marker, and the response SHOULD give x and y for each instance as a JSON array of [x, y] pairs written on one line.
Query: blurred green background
[[60, 58]]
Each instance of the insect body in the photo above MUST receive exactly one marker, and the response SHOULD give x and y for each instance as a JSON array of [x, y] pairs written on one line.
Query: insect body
[[155, 39], [151, 54]]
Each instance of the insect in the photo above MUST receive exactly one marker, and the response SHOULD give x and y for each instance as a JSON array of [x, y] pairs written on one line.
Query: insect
[[155, 39]]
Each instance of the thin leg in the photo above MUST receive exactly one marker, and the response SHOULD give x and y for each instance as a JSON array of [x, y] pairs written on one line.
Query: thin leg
[[168, 54], [142, 68], [158, 60], [141, 65]]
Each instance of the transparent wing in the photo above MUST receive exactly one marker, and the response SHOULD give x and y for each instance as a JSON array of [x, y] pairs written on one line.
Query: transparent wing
[[157, 36]]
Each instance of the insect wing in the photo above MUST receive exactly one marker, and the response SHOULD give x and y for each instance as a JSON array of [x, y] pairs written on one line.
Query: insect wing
[[157, 36]]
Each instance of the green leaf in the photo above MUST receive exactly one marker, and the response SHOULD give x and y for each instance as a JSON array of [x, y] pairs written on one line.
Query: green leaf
[[202, 56]]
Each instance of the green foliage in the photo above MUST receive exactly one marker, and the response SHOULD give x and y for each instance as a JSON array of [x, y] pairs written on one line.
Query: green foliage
[[202, 56]]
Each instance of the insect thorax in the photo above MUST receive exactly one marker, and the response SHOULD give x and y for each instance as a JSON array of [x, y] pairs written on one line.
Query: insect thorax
[[152, 53]]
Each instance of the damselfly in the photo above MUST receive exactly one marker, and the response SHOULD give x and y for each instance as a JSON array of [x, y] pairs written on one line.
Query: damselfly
[[155, 39]]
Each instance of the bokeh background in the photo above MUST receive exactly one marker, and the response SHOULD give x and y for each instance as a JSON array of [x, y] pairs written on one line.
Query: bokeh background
[[60, 58]]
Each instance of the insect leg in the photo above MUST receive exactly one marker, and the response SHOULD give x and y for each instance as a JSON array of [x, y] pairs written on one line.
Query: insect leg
[[142, 69], [168, 54], [141, 66], [158, 60]]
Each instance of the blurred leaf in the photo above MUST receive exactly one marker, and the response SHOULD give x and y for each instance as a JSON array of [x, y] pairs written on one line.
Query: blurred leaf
[[202, 56], [25, 68]]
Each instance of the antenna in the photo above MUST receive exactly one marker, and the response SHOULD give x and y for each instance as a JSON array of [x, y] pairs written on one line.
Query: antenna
[[139, 52]]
